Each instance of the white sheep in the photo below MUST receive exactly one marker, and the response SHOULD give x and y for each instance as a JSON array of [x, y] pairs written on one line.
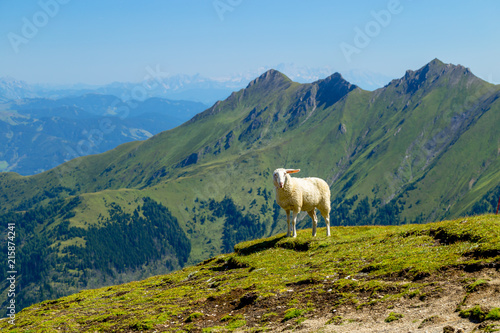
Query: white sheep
[[302, 194]]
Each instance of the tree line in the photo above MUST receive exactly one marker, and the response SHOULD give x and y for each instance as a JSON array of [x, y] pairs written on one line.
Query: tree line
[[124, 242]]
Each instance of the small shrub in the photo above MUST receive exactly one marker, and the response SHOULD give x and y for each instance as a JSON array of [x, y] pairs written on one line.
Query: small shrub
[[475, 313], [494, 314], [293, 313], [476, 285], [142, 325], [234, 322], [414, 293], [393, 316], [300, 320], [193, 316]]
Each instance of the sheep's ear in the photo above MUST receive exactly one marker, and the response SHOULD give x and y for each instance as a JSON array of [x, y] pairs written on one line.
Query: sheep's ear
[[292, 170]]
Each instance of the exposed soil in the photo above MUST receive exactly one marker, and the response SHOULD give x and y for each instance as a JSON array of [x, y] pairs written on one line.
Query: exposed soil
[[434, 309]]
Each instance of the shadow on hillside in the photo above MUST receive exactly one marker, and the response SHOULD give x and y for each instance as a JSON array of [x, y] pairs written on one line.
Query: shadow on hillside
[[258, 247]]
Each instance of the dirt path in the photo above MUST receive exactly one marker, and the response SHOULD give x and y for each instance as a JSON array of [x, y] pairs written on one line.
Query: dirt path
[[434, 311]]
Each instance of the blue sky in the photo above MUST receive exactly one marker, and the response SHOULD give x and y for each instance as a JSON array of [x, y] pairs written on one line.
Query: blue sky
[[98, 42]]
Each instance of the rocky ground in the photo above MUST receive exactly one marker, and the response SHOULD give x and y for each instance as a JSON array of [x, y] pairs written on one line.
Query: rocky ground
[[434, 309]]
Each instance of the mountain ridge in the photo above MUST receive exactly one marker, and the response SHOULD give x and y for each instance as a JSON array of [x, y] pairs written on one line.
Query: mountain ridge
[[217, 105], [431, 72], [232, 100]]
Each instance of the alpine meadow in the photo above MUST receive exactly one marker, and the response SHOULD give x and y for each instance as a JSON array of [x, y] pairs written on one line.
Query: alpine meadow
[[423, 148]]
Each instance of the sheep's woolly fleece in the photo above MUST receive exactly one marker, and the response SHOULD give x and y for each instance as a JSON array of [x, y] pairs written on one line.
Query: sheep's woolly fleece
[[302, 194]]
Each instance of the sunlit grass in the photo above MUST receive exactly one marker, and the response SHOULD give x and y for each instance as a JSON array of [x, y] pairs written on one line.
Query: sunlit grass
[[354, 261]]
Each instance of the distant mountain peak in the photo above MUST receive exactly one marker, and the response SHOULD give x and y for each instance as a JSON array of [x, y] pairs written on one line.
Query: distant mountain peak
[[431, 73], [333, 88], [336, 79], [436, 62], [437, 68], [271, 76]]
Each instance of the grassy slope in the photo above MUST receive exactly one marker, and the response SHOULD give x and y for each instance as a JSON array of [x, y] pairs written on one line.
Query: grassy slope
[[358, 267], [417, 145], [397, 130], [134, 164]]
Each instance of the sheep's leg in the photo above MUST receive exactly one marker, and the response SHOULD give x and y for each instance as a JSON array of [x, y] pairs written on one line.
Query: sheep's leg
[[314, 218], [327, 221], [288, 223], [294, 222]]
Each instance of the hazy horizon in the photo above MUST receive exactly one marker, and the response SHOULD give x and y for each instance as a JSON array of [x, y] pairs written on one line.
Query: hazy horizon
[[66, 42]]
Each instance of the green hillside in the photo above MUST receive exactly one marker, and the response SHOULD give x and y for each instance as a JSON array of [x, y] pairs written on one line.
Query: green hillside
[[423, 148], [363, 279]]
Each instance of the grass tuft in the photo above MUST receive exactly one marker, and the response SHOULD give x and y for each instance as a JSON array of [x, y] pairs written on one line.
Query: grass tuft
[[193, 316], [494, 314], [393, 316], [476, 285], [476, 314], [293, 313]]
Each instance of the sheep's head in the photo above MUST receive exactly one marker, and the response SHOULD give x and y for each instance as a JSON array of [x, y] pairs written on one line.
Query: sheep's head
[[280, 176]]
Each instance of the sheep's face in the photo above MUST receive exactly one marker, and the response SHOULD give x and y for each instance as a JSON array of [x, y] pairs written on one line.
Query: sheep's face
[[280, 176]]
